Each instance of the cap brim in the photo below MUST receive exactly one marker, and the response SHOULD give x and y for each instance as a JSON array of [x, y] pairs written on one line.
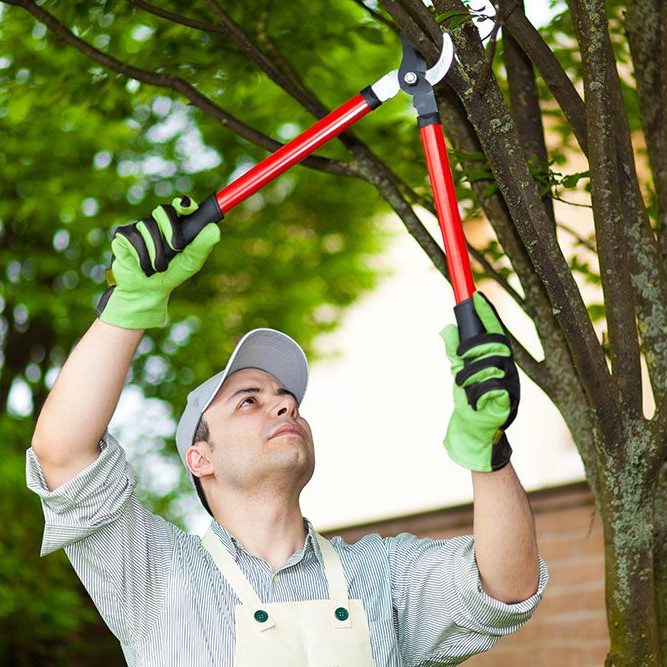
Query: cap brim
[[271, 351]]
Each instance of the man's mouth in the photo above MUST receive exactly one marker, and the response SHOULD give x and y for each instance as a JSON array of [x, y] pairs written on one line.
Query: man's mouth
[[288, 428]]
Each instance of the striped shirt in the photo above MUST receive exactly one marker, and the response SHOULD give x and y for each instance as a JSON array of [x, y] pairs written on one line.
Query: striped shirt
[[162, 596]]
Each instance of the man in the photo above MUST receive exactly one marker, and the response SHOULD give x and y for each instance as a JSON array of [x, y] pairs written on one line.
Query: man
[[262, 587]]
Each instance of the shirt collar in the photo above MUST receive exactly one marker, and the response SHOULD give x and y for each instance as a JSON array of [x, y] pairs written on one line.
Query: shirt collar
[[233, 545]]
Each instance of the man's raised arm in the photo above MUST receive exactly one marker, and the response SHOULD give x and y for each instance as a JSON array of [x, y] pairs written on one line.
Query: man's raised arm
[[78, 409], [486, 399], [80, 405], [505, 540]]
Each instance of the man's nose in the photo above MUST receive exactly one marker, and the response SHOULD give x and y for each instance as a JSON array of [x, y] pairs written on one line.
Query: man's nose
[[286, 405]]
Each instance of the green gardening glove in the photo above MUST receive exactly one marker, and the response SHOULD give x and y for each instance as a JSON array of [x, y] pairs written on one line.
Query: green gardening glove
[[486, 392], [143, 276]]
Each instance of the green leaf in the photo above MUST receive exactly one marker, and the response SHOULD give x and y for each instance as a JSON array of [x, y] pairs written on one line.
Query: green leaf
[[572, 180], [453, 18], [596, 312]]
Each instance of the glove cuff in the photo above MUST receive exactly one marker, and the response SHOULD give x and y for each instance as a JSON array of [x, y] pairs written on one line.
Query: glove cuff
[[501, 452], [130, 310], [485, 455]]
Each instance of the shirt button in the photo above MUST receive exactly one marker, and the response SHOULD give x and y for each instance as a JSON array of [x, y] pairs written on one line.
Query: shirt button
[[276, 577], [261, 616], [342, 614]]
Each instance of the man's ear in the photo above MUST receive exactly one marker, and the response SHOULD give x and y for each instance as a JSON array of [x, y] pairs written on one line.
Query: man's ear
[[198, 458]]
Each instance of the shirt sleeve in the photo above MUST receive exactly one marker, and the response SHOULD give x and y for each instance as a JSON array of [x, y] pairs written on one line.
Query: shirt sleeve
[[443, 614], [121, 552]]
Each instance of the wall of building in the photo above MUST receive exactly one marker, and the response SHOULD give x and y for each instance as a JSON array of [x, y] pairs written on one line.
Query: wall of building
[[569, 627]]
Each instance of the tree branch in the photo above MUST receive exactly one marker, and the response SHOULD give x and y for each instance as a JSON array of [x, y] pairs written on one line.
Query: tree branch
[[486, 71], [649, 279], [524, 98], [378, 16], [178, 18], [645, 38], [648, 271], [477, 255], [178, 85], [607, 122], [645, 26], [532, 44]]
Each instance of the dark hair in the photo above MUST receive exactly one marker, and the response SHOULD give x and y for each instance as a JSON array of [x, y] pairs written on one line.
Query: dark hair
[[202, 435]]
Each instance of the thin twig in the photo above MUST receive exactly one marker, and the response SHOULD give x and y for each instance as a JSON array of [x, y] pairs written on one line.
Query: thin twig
[[428, 205], [178, 18], [300, 91], [571, 203], [377, 16], [487, 68], [249, 48], [587, 244], [493, 273]]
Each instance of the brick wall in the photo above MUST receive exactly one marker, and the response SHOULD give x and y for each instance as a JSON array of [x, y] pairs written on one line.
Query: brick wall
[[569, 627]]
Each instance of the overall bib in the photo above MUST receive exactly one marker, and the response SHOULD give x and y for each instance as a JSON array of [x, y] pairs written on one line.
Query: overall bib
[[310, 633]]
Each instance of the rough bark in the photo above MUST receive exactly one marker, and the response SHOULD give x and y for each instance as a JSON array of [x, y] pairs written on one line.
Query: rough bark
[[627, 508], [600, 84], [524, 100], [645, 28], [660, 553]]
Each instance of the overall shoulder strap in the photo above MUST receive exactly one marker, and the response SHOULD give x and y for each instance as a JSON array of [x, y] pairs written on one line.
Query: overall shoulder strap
[[333, 569], [230, 569]]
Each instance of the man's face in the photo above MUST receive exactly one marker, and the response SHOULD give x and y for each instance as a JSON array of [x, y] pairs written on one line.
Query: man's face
[[259, 438]]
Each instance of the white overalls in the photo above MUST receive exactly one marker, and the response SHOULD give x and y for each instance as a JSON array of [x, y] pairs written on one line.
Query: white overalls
[[310, 633]]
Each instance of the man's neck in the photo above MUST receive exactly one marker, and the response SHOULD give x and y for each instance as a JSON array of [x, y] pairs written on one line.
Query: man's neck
[[271, 530]]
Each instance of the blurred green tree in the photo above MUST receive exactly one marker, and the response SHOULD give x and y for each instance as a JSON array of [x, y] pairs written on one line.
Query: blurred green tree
[[83, 150]]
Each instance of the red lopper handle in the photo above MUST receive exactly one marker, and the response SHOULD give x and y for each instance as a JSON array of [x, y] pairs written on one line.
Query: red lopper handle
[[456, 250]]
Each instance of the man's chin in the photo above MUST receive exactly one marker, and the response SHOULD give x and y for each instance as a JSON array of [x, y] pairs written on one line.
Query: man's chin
[[295, 463]]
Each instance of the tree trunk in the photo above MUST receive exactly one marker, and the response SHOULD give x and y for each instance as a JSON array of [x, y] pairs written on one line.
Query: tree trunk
[[626, 505], [660, 556]]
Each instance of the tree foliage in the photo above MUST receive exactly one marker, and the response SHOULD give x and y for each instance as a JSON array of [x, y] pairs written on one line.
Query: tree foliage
[[109, 107]]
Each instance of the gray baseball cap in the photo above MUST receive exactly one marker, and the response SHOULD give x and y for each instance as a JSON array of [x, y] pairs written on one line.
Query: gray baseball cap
[[267, 349]]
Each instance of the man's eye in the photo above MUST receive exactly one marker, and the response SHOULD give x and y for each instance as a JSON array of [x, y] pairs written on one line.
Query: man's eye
[[249, 398]]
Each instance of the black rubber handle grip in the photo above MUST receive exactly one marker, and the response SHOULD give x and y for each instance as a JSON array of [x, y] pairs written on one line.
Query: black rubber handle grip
[[468, 321], [192, 224]]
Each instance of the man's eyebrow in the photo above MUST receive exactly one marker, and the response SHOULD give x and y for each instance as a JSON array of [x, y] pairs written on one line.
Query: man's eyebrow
[[258, 390]]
